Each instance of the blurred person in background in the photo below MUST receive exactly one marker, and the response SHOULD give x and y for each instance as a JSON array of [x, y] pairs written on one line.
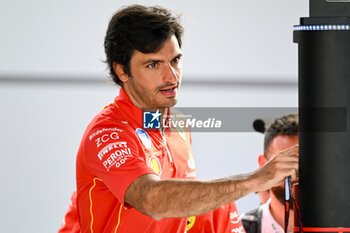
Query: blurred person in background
[[269, 217]]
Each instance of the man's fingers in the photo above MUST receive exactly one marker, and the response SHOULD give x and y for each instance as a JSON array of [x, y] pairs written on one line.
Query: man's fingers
[[291, 150], [294, 174], [283, 164], [285, 158]]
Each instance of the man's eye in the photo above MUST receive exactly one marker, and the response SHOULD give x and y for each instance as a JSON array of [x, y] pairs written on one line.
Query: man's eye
[[152, 65], [176, 60]]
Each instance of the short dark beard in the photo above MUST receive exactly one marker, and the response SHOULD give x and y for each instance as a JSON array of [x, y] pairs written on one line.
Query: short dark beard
[[278, 191]]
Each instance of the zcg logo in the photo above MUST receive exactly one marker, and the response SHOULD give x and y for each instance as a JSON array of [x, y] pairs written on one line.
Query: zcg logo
[[105, 138]]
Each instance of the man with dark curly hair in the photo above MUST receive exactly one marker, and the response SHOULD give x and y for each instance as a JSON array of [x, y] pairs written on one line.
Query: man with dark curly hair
[[131, 179]]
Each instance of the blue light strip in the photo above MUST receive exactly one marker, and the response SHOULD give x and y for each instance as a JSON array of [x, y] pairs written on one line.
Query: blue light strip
[[322, 28]]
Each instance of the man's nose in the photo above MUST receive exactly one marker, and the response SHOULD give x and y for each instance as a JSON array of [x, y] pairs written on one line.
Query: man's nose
[[170, 74]]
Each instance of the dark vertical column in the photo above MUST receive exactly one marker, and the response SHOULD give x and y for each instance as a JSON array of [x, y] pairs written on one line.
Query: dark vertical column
[[324, 111]]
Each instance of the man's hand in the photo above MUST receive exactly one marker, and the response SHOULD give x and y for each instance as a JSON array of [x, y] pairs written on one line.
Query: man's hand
[[283, 164]]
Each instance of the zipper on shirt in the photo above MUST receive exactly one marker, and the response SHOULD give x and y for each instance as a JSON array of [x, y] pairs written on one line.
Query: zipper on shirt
[[166, 145], [161, 130]]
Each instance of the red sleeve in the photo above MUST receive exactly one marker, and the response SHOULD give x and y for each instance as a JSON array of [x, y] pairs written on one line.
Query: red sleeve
[[115, 156], [70, 223]]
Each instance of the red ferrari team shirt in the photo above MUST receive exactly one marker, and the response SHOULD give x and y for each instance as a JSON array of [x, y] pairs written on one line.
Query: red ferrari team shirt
[[114, 151]]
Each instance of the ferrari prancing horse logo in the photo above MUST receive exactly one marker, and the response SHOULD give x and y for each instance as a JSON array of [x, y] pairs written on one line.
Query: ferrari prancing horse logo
[[190, 222]]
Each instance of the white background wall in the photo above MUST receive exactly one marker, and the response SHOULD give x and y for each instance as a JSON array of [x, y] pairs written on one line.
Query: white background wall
[[41, 124]]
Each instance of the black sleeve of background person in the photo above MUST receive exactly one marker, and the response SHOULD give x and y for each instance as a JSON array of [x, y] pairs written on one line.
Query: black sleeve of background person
[[251, 220]]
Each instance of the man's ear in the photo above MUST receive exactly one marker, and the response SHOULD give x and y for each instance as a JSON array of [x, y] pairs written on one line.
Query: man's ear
[[119, 70], [262, 160]]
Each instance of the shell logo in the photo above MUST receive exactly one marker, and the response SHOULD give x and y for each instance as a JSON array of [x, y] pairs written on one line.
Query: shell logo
[[155, 165]]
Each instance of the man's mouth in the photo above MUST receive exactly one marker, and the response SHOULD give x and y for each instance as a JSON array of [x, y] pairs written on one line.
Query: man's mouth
[[169, 91]]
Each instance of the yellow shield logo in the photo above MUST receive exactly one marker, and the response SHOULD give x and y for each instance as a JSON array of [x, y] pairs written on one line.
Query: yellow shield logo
[[190, 222]]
